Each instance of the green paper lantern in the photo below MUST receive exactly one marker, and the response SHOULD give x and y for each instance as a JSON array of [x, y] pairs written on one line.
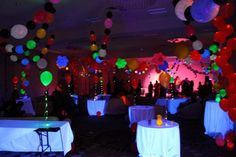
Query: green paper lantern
[[222, 93], [214, 48], [31, 44], [36, 58], [95, 54], [121, 63], [46, 78]]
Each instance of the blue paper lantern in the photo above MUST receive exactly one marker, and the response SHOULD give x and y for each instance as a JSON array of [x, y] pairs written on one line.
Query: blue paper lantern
[[19, 49], [204, 10]]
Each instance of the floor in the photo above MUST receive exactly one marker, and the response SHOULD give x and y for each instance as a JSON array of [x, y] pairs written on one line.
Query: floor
[[110, 136]]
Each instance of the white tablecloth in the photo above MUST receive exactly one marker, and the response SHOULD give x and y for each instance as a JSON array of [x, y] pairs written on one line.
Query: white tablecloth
[[104, 97], [94, 106], [158, 141], [172, 104], [138, 113], [19, 135], [216, 121], [27, 105]]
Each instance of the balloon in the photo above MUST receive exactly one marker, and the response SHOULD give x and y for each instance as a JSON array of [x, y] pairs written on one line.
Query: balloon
[[41, 33], [19, 31], [92, 37], [227, 10], [50, 41], [132, 64], [224, 104], [231, 43], [13, 58], [220, 37], [44, 51], [39, 16], [195, 55], [9, 47], [93, 47], [181, 7], [228, 29], [227, 69], [226, 52], [181, 51], [219, 22], [232, 114], [105, 39], [220, 61], [42, 63], [164, 79], [163, 66], [98, 60], [24, 61], [230, 145], [230, 136], [15, 80], [108, 23], [204, 11], [197, 45], [54, 1], [102, 52], [190, 30], [49, 18], [158, 58], [220, 141], [134, 83], [46, 78]]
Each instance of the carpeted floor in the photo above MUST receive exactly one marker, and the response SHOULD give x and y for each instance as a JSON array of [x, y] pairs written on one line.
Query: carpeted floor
[[110, 136]]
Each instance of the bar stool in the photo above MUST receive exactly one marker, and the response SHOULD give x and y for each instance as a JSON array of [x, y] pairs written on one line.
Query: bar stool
[[43, 132]]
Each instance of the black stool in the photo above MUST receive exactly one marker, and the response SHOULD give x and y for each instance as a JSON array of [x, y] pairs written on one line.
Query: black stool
[[44, 132]]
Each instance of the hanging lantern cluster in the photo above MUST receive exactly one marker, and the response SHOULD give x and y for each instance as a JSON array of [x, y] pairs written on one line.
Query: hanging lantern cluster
[[99, 54]]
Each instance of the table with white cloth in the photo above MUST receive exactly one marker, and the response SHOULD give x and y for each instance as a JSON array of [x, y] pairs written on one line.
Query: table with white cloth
[[158, 141], [20, 135], [216, 121], [27, 105], [139, 112], [96, 106], [104, 97], [172, 104]]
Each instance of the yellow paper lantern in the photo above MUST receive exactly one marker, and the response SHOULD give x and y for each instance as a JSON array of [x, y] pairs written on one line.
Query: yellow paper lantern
[[132, 64], [159, 120], [44, 51], [164, 79], [93, 47], [181, 51], [41, 33]]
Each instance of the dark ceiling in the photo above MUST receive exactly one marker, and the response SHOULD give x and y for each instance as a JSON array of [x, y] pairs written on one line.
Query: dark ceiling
[[140, 27]]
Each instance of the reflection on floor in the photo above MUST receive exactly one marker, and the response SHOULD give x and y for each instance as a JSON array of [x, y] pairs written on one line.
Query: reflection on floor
[[109, 136]]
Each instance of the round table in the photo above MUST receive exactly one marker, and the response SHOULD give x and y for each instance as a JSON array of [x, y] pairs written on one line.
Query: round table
[[158, 141], [139, 112], [95, 106]]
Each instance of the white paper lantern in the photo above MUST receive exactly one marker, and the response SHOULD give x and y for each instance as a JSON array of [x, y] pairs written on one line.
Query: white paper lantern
[[42, 63], [180, 8], [19, 31], [197, 45], [9, 47], [13, 58], [102, 52]]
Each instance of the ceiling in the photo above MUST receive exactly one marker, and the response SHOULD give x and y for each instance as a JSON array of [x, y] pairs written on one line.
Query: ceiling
[[140, 27]]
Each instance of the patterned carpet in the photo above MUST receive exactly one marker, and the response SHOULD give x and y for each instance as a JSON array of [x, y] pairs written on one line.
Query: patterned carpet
[[109, 136]]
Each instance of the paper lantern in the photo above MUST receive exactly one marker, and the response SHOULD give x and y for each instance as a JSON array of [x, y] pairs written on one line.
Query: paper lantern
[[41, 33], [204, 11], [9, 47], [19, 31], [164, 79], [180, 8], [181, 51], [46, 78], [132, 64], [42, 63]]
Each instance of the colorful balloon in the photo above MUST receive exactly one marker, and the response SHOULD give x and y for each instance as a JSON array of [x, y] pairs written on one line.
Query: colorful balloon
[[41, 33], [180, 8], [19, 31], [164, 79], [46, 78], [42, 63]]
